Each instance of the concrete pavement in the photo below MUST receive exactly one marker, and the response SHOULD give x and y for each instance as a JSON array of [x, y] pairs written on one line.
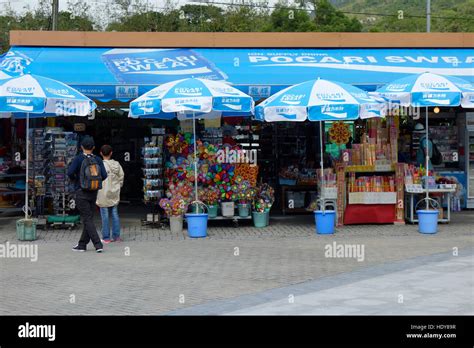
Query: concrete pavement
[[156, 272]]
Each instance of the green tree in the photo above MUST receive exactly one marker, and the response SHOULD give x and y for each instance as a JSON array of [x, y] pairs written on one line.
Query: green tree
[[201, 18], [250, 18], [328, 19], [186, 18], [289, 19]]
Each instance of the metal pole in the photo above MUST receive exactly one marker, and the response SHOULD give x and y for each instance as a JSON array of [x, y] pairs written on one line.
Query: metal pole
[[321, 164], [27, 166], [195, 160], [54, 15], [427, 149], [428, 16]]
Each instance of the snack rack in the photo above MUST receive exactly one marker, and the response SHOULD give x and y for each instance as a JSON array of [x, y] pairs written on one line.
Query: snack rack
[[153, 191]]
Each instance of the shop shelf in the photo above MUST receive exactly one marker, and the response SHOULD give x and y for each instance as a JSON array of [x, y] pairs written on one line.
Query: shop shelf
[[10, 209], [12, 175], [6, 193]]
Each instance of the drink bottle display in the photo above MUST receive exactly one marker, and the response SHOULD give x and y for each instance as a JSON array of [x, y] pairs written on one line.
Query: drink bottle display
[[157, 66]]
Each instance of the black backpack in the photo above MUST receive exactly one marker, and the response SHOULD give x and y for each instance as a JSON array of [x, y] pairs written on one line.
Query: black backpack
[[437, 157], [90, 176]]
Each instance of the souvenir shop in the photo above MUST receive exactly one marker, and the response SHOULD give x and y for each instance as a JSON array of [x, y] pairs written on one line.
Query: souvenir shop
[[370, 165], [371, 170]]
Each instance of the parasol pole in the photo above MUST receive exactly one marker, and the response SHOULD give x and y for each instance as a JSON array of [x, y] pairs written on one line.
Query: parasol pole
[[195, 160], [321, 164], [27, 166], [427, 149]]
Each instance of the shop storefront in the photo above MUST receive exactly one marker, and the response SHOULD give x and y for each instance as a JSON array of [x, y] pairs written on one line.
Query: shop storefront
[[370, 163]]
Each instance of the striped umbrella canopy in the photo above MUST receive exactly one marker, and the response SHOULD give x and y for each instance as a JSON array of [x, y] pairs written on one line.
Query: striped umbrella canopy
[[429, 89], [38, 95], [191, 95], [32, 94], [319, 100]]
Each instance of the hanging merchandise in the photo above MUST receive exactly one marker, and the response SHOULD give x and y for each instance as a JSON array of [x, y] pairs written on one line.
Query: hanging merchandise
[[248, 172], [60, 148], [36, 177], [339, 133], [152, 156]]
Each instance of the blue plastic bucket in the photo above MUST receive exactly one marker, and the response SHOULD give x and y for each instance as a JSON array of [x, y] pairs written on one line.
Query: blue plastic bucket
[[244, 210], [212, 211], [259, 219], [197, 225], [325, 221], [267, 217], [427, 221]]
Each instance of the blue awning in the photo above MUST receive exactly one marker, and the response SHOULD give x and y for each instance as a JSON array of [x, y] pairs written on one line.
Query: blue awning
[[106, 74]]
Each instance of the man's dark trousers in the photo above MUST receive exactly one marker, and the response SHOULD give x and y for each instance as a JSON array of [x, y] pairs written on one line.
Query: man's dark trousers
[[85, 201]]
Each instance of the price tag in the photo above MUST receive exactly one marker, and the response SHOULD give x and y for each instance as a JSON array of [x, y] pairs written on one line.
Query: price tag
[[414, 188], [383, 167]]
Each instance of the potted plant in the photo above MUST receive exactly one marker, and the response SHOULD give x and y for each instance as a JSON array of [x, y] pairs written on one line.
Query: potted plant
[[174, 208]]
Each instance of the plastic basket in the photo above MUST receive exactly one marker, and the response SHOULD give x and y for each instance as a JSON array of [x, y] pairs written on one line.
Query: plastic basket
[[244, 210], [212, 211], [227, 209], [259, 219], [176, 224]]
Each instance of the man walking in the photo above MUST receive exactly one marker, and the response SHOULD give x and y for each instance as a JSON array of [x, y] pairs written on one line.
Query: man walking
[[87, 171]]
